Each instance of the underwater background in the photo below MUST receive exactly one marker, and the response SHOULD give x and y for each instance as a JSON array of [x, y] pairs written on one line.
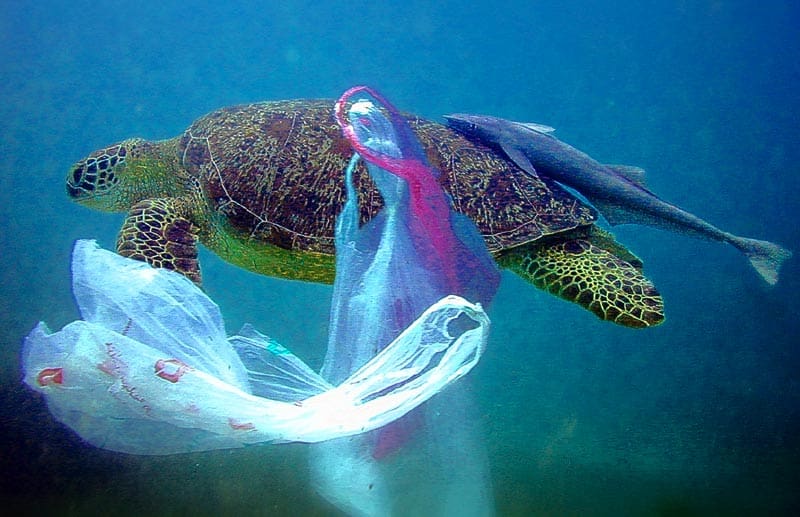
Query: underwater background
[[698, 416]]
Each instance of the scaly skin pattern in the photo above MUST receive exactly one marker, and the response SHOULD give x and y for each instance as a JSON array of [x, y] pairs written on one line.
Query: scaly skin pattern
[[261, 185], [590, 276], [159, 232]]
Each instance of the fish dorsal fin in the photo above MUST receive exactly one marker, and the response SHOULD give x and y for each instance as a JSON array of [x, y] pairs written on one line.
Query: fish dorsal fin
[[629, 172], [519, 158], [539, 128]]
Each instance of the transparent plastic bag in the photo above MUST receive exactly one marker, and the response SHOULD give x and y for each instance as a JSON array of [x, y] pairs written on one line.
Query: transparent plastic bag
[[149, 370], [416, 250]]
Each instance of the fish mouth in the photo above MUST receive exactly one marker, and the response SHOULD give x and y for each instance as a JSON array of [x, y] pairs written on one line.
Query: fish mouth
[[457, 117], [461, 122]]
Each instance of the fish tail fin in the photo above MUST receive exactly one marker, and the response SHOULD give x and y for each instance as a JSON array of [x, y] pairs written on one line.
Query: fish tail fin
[[766, 257]]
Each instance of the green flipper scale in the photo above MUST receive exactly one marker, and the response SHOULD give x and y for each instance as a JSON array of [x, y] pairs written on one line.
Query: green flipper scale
[[581, 272], [156, 232]]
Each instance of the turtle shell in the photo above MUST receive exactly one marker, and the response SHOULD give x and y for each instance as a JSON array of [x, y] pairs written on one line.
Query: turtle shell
[[275, 172]]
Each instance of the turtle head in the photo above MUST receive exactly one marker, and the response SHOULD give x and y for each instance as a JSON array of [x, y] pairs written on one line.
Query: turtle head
[[113, 178]]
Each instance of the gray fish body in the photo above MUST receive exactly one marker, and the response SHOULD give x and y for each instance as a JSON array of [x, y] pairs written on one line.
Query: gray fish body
[[615, 190]]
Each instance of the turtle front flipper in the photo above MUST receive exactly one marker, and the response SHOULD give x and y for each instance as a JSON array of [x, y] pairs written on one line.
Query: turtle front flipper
[[157, 231], [579, 271]]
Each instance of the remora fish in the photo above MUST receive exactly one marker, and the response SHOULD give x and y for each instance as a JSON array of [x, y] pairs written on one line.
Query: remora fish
[[615, 190]]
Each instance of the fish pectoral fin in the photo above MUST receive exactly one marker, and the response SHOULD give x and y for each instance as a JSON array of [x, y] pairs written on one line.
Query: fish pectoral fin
[[629, 172], [518, 157]]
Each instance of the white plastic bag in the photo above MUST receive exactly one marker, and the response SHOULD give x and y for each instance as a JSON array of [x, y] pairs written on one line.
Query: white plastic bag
[[149, 370]]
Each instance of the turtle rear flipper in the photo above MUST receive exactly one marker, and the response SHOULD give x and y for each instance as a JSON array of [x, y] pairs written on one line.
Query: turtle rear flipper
[[157, 232], [592, 277]]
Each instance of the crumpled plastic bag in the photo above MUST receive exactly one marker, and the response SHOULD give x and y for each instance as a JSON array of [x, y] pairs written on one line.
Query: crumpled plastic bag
[[149, 370], [416, 250]]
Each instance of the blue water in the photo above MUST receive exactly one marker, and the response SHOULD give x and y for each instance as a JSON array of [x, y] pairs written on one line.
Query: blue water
[[698, 416]]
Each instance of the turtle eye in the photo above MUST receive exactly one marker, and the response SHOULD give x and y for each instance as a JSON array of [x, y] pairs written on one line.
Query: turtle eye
[[80, 182], [77, 174], [83, 178]]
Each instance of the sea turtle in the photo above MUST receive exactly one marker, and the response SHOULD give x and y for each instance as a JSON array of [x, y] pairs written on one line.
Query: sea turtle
[[261, 185]]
